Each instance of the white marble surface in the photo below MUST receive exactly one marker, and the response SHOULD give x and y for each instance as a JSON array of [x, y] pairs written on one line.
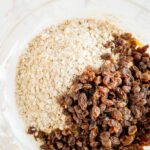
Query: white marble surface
[[14, 12]]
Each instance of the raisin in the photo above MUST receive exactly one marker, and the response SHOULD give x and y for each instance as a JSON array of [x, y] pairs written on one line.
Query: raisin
[[87, 86], [132, 130], [97, 80], [126, 36], [138, 56], [121, 104], [44, 147], [145, 59], [79, 143], [136, 89], [59, 145], [142, 66], [143, 49], [115, 126], [31, 130], [95, 112], [85, 126], [115, 140], [105, 136], [68, 101], [102, 108], [126, 88], [83, 78], [71, 141], [77, 87], [106, 56], [106, 143], [66, 132], [108, 44], [116, 114], [146, 77], [93, 133], [94, 144], [121, 93], [127, 81], [107, 102], [103, 90], [41, 135], [82, 101], [127, 140], [58, 134]]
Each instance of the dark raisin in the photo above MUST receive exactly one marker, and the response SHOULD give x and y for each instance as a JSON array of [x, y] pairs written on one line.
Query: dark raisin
[[137, 56], [31, 130], [143, 49], [41, 135], [58, 134], [71, 141], [142, 66], [82, 101], [66, 132]]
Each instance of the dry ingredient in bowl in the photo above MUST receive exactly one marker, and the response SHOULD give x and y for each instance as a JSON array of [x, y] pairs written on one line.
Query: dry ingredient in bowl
[[50, 63], [108, 108]]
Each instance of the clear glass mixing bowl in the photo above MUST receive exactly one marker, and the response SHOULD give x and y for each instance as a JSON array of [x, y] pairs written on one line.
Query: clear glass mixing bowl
[[16, 34]]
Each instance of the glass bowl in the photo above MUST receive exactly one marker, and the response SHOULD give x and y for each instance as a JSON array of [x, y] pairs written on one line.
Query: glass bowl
[[16, 34]]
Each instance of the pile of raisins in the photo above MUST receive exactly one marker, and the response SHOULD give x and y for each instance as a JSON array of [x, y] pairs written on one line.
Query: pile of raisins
[[108, 108]]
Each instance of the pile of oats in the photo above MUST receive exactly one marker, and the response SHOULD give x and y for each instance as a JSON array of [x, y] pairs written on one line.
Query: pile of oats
[[50, 63]]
